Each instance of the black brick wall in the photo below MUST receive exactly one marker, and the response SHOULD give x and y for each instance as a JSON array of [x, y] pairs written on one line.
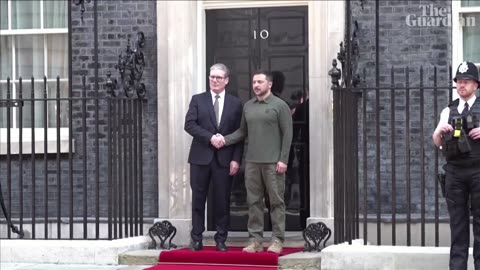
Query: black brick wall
[[116, 21], [400, 46]]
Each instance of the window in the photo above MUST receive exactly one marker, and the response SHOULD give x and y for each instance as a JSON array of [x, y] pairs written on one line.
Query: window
[[470, 3], [465, 31], [471, 38], [33, 43]]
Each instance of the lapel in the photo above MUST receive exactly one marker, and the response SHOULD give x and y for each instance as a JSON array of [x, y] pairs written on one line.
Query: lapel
[[211, 111]]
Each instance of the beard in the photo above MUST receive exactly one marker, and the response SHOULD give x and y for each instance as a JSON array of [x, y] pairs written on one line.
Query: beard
[[261, 92]]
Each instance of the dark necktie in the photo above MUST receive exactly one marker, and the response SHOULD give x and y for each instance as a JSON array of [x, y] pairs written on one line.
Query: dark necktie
[[465, 110], [216, 108]]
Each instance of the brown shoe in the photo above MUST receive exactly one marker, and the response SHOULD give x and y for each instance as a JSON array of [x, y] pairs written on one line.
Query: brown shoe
[[276, 247], [253, 247]]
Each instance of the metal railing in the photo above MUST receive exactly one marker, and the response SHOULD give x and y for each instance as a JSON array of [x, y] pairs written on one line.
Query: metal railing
[[385, 163], [71, 167]]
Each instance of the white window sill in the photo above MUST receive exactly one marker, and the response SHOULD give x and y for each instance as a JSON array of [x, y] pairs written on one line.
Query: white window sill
[[39, 143]]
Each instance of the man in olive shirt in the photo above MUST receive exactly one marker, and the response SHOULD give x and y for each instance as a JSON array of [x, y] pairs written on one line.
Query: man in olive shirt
[[267, 122]]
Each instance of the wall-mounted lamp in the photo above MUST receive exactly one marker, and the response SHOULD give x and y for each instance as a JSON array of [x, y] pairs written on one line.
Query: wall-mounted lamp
[[130, 64]]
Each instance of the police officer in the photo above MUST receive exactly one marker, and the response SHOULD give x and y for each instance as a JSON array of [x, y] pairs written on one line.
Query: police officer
[[462, 169]]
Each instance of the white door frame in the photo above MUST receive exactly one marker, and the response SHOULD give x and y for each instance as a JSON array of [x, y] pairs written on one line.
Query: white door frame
[[181, 73]]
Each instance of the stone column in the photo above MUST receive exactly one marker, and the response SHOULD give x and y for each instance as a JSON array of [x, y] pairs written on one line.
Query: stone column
[[177, 54], [326, 28]]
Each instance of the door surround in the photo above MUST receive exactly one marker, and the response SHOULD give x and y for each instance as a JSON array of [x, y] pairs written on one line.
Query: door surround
[[227, 4], [181, 73]]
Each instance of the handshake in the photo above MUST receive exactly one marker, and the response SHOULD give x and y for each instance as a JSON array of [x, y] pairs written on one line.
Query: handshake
[[218, 141]]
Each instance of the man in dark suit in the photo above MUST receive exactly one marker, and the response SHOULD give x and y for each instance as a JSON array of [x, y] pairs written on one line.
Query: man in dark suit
[[212, 113]]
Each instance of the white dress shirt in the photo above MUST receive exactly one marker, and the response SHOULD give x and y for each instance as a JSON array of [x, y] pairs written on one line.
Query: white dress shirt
[[221, 101]]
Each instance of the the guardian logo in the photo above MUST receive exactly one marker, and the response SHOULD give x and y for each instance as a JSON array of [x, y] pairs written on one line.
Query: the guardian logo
[[436, 17]]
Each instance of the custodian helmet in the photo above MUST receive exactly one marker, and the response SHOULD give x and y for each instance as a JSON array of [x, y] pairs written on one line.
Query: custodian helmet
[[467, 71]]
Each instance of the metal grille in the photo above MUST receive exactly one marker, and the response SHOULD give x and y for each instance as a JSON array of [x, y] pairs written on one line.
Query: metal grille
[[57, 191], [385, 163]]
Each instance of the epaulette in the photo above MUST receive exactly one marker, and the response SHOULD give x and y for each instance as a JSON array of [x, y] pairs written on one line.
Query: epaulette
[[454, 103]]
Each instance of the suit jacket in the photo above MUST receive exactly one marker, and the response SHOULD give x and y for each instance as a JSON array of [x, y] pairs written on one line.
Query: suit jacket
[[200, 122]]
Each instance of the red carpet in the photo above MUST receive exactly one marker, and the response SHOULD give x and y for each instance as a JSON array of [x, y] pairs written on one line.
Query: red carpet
[[210, 259], [177, 266]]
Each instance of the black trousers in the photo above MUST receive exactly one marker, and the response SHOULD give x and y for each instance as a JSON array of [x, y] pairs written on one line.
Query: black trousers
[[200, 178], [462, 188]]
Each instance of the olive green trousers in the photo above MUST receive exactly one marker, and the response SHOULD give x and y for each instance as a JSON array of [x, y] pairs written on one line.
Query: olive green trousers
[[258, 178]]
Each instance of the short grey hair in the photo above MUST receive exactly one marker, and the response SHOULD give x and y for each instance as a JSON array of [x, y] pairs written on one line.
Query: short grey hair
[[221, 67]]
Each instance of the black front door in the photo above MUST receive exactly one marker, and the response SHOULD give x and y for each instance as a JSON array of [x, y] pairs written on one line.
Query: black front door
[[274, 39]]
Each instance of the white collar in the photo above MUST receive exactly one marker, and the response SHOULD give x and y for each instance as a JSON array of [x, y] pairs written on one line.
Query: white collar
[[470, 102], [221, 94]]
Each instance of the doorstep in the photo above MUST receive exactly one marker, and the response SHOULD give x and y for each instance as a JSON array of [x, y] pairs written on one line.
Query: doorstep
[[292, 239]]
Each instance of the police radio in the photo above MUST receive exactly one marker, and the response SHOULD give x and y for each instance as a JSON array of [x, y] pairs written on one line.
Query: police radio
[[457, 124]]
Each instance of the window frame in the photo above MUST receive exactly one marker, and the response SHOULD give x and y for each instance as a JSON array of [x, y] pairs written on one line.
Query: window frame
[[457, 31], [39, 131]]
